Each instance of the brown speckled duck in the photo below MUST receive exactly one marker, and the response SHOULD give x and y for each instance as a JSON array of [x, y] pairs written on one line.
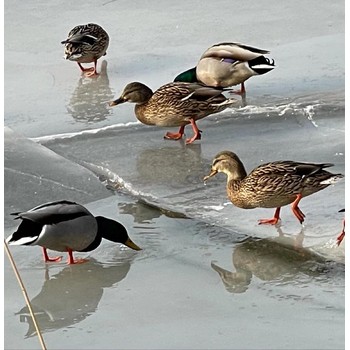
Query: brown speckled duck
[[174, 104], [271, 185], [228, 64], [86, 43]]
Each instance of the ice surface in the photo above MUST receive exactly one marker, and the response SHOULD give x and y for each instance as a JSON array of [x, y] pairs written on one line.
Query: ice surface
[[208, 276]]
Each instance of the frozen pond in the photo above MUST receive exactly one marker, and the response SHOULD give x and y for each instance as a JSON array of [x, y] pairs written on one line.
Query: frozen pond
[[208, 277]]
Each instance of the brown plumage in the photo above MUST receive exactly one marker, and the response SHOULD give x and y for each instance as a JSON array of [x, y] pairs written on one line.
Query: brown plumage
[[271, 185], [86, 43], [174, 104]]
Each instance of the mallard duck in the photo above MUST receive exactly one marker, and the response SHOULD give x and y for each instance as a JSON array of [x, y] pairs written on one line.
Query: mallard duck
[[66, 226], [228, 64], [86, 43], [342, 233], [174, 104], [271, 185]]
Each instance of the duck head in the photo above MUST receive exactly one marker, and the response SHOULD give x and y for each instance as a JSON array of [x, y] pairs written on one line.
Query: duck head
[[135, 93], [228, 163], [115, 232]]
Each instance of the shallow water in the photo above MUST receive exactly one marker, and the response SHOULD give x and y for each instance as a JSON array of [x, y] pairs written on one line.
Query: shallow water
[[208, 275]]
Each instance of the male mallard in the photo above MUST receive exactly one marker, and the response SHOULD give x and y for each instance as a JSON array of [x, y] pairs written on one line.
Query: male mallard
[[66, 226], [174, 104], [86, 43], [271, 185], [228, 64]]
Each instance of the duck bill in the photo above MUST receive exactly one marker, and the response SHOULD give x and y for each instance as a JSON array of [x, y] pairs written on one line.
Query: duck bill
[[129, 243], [212, 173], [118, 101]]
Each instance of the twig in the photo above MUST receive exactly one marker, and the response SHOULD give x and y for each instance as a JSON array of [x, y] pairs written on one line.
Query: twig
[[41, 340]]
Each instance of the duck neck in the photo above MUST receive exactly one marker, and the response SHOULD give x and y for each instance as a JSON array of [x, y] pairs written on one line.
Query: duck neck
[[235, 175], [142, 115]]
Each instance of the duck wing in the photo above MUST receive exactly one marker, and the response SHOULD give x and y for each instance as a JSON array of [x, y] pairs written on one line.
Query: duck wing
[[289, 167], [53, 212], [234, 51], [81, 39], [199, 92], [309, 169]]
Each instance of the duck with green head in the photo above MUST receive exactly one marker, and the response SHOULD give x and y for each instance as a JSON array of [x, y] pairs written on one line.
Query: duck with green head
[[227, 64], [66, 226]]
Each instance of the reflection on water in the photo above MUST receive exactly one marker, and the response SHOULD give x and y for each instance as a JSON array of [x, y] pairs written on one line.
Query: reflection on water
[[141, 212], [71, 295], [144, 211], [270, 259], [172, 165], [89, 101]]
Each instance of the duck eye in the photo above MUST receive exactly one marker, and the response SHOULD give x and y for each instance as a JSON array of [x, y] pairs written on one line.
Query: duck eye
[[215, 161]]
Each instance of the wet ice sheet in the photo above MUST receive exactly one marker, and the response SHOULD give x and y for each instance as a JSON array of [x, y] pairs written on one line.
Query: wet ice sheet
[[302, 38], [169, 295], [210, 288], [171, 174], [33, 172]]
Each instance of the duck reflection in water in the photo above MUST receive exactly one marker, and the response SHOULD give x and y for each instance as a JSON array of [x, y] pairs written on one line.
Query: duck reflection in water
[[144, 212], [270, 259], [72, 295], [170, 165], [89, 100]]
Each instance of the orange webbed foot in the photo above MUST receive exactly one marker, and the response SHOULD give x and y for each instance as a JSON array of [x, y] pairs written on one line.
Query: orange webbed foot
[[196, 136], [71, 259], [77, 261], [48, 259], [173, 136], [91, 74], [272, 221]]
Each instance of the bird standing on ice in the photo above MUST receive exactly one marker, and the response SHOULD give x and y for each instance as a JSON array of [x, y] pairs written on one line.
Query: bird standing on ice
[[66, 226]]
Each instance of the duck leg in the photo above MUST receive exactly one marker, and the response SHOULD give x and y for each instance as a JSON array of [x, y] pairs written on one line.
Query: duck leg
[[342, 234], [48, 259], [175, 135], [85, 69], [71, 258], [272, 221], [296, 210], [89, 72], [94, 70], [239, 92], [197, 133]]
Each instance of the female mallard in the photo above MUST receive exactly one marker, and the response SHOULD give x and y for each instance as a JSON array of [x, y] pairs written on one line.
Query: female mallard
[[86, 43], [174, 104], [66, 227], [228, 64], [271, 185]]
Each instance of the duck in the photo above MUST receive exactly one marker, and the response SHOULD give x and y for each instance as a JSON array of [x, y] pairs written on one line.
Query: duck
[[227, 64], [174, 104], [271, 185], [66, 226], [86, 43]]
